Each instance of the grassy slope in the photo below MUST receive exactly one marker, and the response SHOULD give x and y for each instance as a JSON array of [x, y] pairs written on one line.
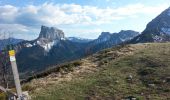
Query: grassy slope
[[104, 76]]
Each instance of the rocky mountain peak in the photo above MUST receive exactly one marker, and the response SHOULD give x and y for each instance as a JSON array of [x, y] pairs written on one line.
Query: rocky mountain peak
[[49, 36], [105, 35], [160, 24], [168, 10], [158, 30], [51, 33]]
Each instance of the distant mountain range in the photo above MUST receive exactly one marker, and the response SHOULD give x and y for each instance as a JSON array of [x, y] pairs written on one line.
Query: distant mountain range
[[52, 47], [107, 40], [5, 42], [79, 40]]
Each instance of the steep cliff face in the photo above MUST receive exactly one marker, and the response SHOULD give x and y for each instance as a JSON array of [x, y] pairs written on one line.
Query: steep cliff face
[[158, 30], [49, 36], [51, 33]]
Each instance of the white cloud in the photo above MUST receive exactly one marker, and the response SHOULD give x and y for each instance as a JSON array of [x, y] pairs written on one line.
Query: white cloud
[[7, 13], [57, 14], [30, 17], [13, 28], [135, 9], [72, 8]]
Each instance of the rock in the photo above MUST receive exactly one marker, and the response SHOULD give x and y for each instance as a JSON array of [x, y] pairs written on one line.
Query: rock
[[151, 85], [164, 81], [51, 33], [116, 81], [129, 78]]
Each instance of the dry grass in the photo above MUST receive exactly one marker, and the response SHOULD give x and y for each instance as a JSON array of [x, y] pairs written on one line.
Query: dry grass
[[104, 76]]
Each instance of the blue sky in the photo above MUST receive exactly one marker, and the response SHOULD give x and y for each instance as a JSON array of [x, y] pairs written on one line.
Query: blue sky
[[80, 18]]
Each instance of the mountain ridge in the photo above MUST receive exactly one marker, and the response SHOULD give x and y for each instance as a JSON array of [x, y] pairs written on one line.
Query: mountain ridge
[[52, 47], [5, 42], [157, 30], [79, 40]]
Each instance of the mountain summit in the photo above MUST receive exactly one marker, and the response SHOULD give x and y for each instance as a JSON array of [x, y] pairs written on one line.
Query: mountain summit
[[158, 30], [104, 36], [49, 36], [51, 33]]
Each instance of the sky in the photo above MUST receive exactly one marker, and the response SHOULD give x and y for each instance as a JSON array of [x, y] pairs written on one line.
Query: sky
[[77, 18]]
